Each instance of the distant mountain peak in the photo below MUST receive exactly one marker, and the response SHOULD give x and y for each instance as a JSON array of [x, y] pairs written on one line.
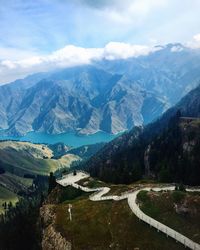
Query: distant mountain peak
[[111, 96]]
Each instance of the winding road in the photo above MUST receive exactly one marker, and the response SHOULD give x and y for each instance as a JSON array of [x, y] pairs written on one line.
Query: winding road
[[98, 195]]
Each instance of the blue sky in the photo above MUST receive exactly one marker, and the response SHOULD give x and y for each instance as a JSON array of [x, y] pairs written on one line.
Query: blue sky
[[32, 28]]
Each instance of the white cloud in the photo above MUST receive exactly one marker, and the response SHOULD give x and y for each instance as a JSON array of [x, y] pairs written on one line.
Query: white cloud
[[71, 55], [176, 48], [197, 38], [195, 43], [114, 50], [67, 57]]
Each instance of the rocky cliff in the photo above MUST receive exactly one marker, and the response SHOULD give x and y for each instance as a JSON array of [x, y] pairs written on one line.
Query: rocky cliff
[[51, 239]]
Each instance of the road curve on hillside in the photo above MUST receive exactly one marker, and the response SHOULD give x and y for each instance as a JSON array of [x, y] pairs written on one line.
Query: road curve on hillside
[[99, 195]]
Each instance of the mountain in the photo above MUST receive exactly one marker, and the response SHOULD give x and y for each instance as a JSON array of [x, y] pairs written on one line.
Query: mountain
[[172, 71], [167, 149], [86, 151], [111, 96], [86, 99]]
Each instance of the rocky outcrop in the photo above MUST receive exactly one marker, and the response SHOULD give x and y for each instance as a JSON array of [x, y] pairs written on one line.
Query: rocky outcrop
[[51, 239]]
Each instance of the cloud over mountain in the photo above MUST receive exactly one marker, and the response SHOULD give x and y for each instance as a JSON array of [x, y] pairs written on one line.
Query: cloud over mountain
[[69, 56]]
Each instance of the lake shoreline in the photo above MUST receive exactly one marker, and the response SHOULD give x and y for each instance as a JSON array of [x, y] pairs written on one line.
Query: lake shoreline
[[70, 139]]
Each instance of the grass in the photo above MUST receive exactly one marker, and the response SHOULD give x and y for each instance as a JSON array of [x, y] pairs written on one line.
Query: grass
[[108, 225], [14, 183], [21, 157], [118, 189], [160, 205], [19, 163], [94, 183], [14, 178], [6, 196], [31, 149]]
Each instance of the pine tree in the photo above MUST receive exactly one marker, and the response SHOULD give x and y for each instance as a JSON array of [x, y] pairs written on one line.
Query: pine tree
[[52, 182]]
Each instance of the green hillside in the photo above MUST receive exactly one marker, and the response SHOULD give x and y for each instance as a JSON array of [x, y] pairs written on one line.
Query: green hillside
[[21, 162], [22, 158], [6, 196], [101, 225], [178, 210]]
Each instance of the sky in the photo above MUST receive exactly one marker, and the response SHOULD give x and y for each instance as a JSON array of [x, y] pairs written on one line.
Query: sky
[[41, 34]]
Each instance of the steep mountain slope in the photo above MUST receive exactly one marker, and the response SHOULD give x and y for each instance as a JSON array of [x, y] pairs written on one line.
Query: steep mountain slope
[[11, 96], [172, 71], [157, 150], [111, 96], [84, 99]]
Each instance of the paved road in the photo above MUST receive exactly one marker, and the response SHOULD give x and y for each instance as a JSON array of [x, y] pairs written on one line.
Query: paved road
[[99, 195], [69, 179]]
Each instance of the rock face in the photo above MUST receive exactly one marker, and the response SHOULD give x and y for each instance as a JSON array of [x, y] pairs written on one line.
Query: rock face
[[111, 96], [51, 239]]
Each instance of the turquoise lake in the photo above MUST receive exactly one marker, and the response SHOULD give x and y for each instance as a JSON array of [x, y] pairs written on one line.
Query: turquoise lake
[[70, 139]]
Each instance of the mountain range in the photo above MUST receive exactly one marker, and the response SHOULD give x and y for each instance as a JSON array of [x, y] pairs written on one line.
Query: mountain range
[[166, 150], [109, 95]]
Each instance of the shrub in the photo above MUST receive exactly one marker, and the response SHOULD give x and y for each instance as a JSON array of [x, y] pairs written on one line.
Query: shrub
[[143, 196], [2, 171], [181, 187], [178, 196], [69, 193]]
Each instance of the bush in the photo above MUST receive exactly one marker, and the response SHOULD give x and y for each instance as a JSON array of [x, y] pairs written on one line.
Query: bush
[[70, 193], [29, 176], [182, 187], [2, 171], [143, 196], [178, 196]]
